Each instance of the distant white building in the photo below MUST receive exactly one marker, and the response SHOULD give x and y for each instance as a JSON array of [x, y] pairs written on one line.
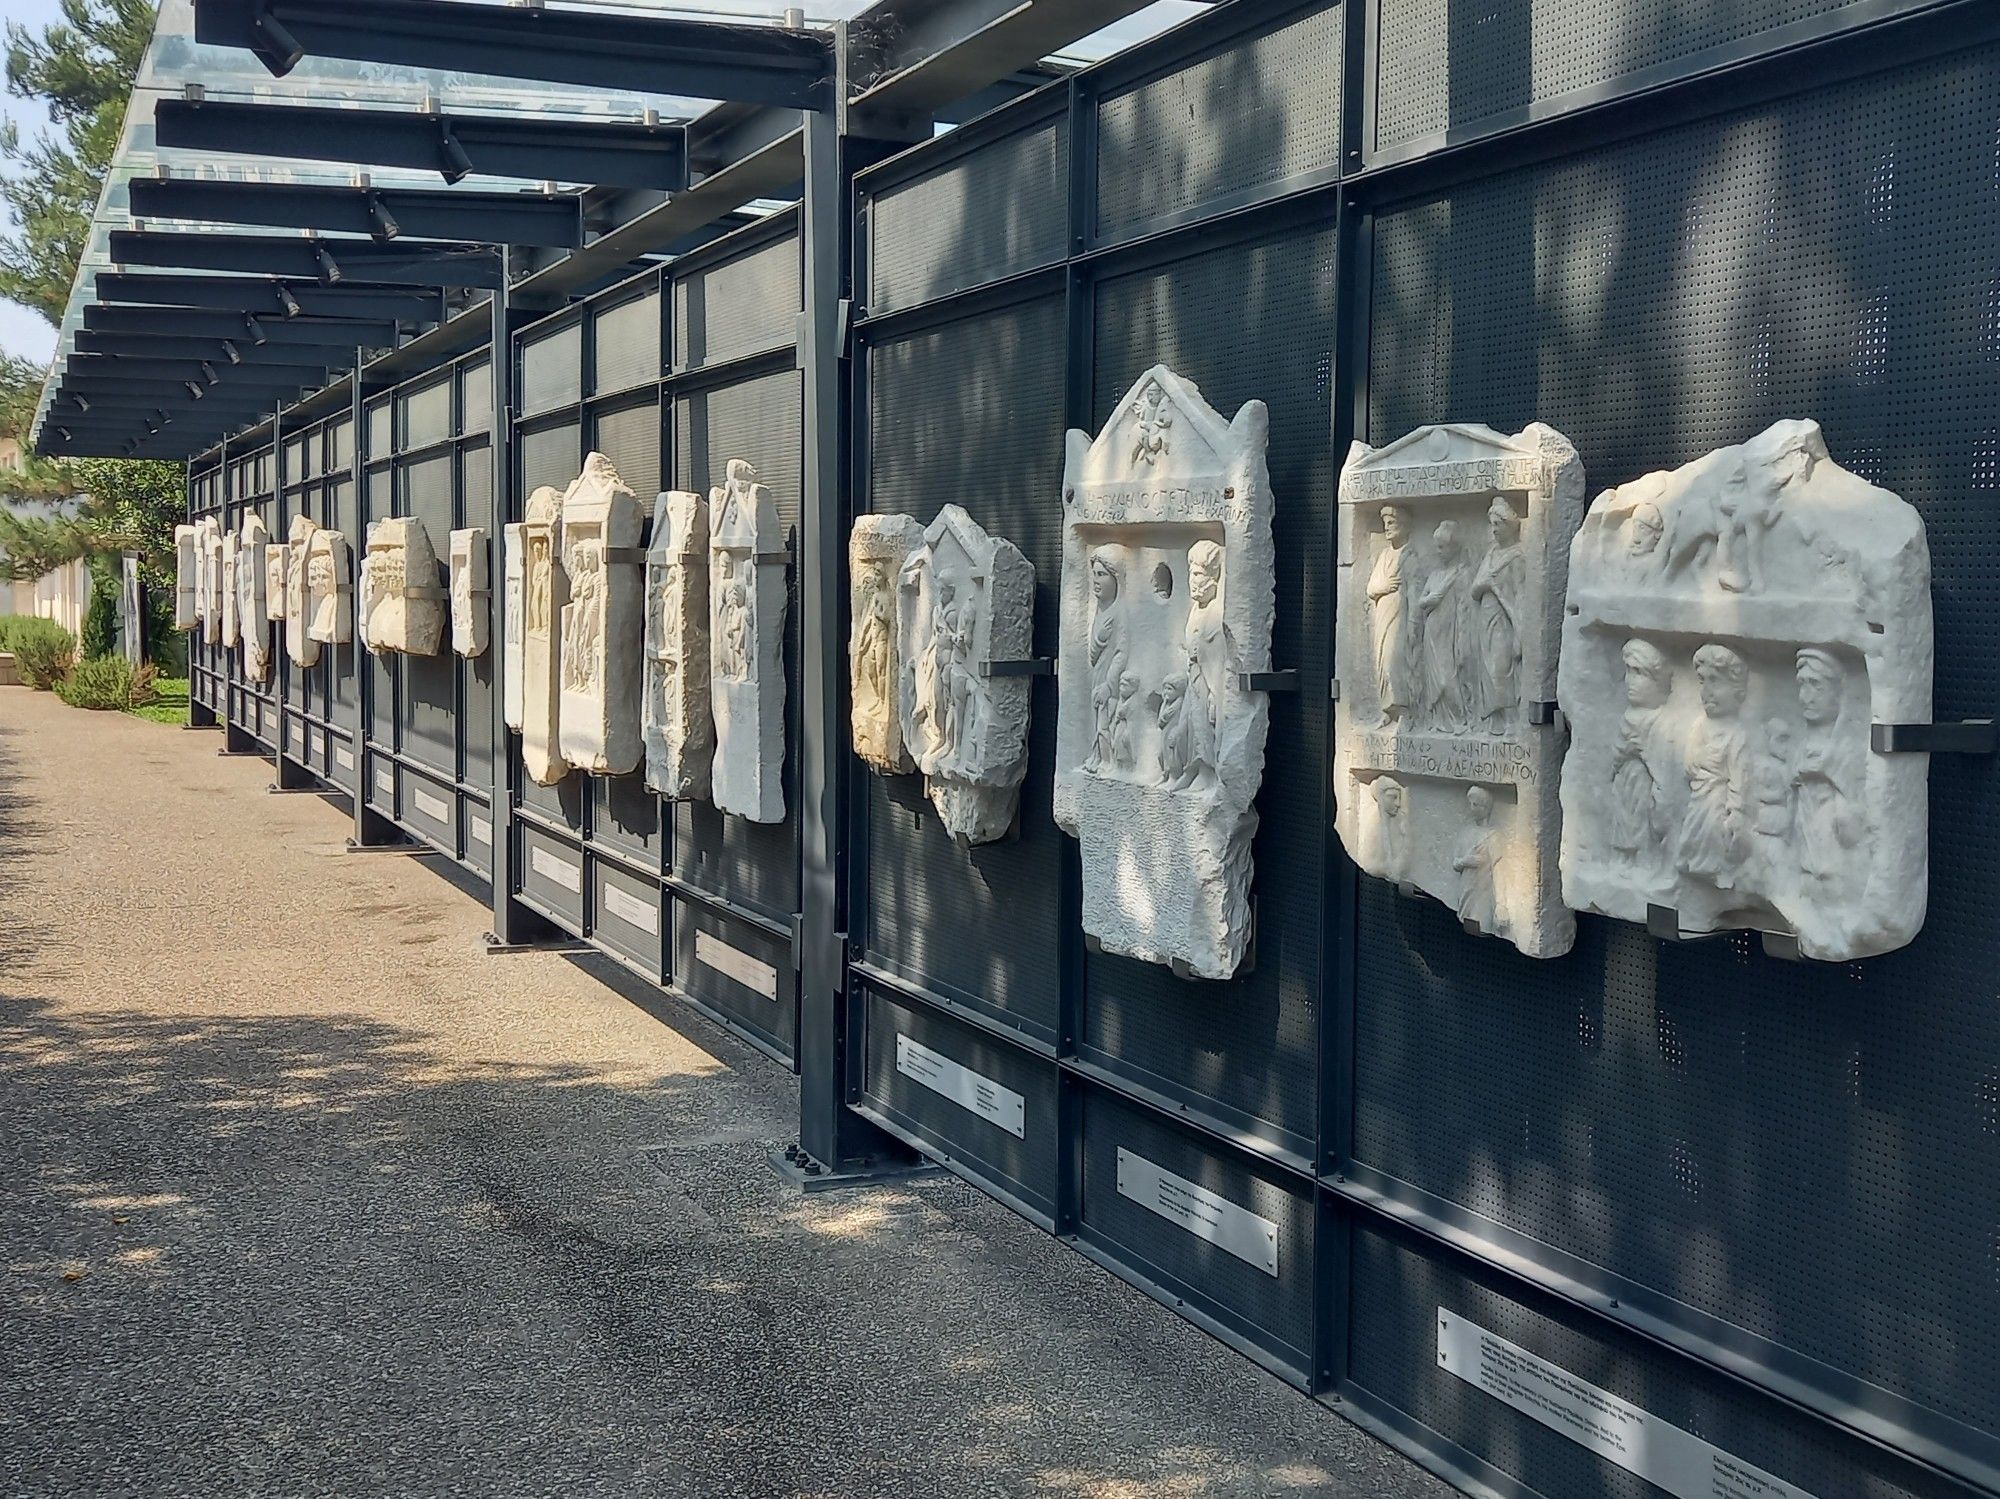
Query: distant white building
[[62, 595]]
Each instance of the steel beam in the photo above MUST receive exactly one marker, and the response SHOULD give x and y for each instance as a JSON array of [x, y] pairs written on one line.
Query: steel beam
[[272, 296], [83, 369], [535, 148], [919, 55], [552, 221], [330, 262], [220, 352], [242, 328], [652, 54]]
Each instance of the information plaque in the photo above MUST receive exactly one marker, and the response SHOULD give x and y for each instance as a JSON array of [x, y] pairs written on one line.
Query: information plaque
[[970, 1090], [1205, 1214]]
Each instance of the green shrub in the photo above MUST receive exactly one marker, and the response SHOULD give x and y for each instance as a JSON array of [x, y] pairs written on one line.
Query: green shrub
[[103, 682], [100, 616], [9, 623], [44, 651]]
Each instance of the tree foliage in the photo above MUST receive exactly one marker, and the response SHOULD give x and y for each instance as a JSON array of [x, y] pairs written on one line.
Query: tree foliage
[[82, 67]]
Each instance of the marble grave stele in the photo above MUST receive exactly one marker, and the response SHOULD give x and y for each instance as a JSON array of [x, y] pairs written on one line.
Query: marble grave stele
[[402, 603], [276, 565], [747, 560], [231, 544], [510, 626], [1168, 599], [329, 620], [211, 580], [1454, 546], [253, 622], [966, 600], [877, 549], [299, 642], [1735, 626], [469, 591], [187, 581], [545, 590], [598, 712], [678, 720]]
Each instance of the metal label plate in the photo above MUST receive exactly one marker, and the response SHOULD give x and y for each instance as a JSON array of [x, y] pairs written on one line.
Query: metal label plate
[[561, 871], [430, 805], [631, 910], [482, 831], [1636, 1440], [751, 973], [972, 1091], [345, 757], [385, 780], [299, 735], [1207, 1215]]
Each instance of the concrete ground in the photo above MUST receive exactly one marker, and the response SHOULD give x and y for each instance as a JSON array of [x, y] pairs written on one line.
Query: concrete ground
[[300, 1193]]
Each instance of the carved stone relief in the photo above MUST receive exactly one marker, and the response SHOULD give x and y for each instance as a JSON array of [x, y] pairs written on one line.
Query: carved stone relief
[[328, 590], [187, 578], [211, 580], [1734, 627], [746, 600], [231, 542], [598, 715], [1167, 600], [300, 643], [1454, 546], [966, 600], [545, 594], [877, 548], [511, 657], [276, 567], [469, 591], [402, 601], [678, 721], [253, 623]]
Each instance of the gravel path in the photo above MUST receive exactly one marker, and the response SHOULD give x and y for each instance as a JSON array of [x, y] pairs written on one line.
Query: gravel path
[[300, 1193]]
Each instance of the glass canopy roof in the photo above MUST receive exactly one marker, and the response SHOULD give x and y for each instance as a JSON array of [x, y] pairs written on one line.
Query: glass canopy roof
[[174, 61]]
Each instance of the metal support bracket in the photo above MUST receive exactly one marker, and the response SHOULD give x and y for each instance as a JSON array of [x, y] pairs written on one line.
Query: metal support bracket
[[1268, 681], [1033, 666], [626, 556], [411, 849], [1544, 713], [493, 946], [1664, 922], [809, 1175], [1966, 736], [425, 591]]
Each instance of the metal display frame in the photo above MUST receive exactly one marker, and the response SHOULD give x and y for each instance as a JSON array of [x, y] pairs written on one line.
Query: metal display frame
[[1360, 1249]]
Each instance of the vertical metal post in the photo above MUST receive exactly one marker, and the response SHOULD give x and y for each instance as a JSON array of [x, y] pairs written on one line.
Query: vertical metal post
[[372, 831], [839, 1145], [200, 714], [514, 926]]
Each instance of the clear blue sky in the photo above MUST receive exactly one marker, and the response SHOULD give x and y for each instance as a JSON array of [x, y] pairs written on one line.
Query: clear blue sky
[[23, 331]]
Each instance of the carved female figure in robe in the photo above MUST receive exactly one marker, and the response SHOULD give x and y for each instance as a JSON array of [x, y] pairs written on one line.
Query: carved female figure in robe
[[1715, 831], [1771, 797], [541, 584], [1392, 828], [1207, 665], [1107, 653], [1439, 624], [874, 641], [1477, 858], [583, 620], [941, 688], [1390, 581], [734, 660], [1830, 772], [1497, 594], [1643, 760]]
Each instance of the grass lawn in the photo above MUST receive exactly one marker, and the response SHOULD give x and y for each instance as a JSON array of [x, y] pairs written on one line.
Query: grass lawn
[[172, 706]]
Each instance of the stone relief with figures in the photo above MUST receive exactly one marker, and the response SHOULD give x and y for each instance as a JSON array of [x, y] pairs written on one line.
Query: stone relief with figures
[[327, 589], [877, 549], [231, 546], [545, 593], [1454, 549], [747, 583], [598, 711], [253, 624], [1168, 603], [211, 580], [299, 643], [510, 626], [187, 581], [678, 719], [965, 601], [402, 605], [1734, 628], [276, 567], [470, 591]]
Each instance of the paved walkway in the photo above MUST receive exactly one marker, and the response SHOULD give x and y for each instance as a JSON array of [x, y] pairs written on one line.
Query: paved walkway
[[300, 1193]]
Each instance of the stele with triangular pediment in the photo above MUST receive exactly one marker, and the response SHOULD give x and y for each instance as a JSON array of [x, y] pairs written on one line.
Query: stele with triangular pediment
[[1454, 547], [1168, 603], [603, 622], [253, 624], [678, 719], [545, 590], [746, 609], [966, 602]]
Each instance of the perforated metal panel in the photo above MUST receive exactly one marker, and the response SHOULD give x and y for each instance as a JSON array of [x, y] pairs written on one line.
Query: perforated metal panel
[[972, 414], [551, 369], [1228, 319], [426, 413], [1445, 65], [1232, 126], [1805, 1150], [993, 212], [630, 438], [548, 456], [477, 400], [628, 344], [741, 305]]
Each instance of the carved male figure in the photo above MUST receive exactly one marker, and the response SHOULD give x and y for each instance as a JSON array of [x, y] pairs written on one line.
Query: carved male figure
[[1830, 772], [1714, 833], [1389, 586], [1498, 588], [1477, 858], [1439, 625], [1643, 760], [1207, 667]]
